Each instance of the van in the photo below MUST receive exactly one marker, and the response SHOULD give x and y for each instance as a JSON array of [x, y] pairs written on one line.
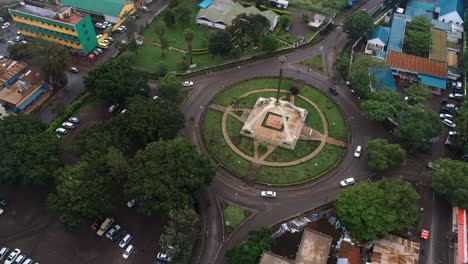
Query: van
[[125, 240], [3, 252], [105, 225], [103, 45]]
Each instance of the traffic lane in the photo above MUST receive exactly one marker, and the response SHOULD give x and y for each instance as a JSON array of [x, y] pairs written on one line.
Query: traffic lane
[[5, 36]]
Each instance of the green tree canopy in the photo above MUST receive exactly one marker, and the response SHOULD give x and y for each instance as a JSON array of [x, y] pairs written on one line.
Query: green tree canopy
[[169, 17], [258, 27], [285, 20], [449, 178], [239, 27], [357, 25], [106, 80], [51, 58], [165, 174], [181, 232], [370, 210], [29, 154], [80, 195], [359, 74], [170, 87], [417, 127], [269, 43], [20, 51], [382, 104], [219, 43], [250, 251], [419, 93], [183, 15], [418, 36], [382, 156]]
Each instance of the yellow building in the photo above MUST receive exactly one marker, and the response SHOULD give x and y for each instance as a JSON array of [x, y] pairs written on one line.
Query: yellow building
[[113, 10]]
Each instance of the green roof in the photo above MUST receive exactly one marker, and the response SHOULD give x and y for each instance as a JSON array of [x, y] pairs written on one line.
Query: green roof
[[106, 7]]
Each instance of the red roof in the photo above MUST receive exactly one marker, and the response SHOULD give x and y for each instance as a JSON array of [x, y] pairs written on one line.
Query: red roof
[[416, 64]]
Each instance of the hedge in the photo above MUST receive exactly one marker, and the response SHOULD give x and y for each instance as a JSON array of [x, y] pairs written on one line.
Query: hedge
[[68, 112]]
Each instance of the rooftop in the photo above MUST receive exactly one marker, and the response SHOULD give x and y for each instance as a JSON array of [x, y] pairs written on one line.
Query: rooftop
[[397, 33], [270, 258], [314, 248], [106, 7], [381, 33], [22, 89], [439, 45], [71, 18], [416, 8], [9, 69], [416, 64], [448, 6], [383, 78], [393, 249]]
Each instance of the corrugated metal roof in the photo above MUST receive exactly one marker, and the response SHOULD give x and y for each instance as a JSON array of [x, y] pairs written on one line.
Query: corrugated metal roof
[[106, 7], [416, 64], [381, 33], [270, 258], [439, 45], [416, 8], [448, 6], [397, 33], [433, 81], [9, 69], [383, 78]]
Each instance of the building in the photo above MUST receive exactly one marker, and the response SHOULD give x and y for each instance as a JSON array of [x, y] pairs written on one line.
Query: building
[[381, 78], [451, 11], [416, 8], [416, 69], [378, 40], [397, 33], [280, 3], [61, 26], [21, 86], [113, 11], [317, 21], [270, 258], [439, 45], [393, 249], [221, 13]]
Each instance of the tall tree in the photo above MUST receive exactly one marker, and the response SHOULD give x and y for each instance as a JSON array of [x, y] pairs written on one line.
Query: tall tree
[[285, 20], [239, 28], [359, 74], [371, 210], [161, 29], [258, 27], [419, 93], [250, 251], [51, 58], [81, 194], [29, 154], [358, 24], [165, 175], [170, 87], [417, 127], [449, 178], [269, 43], [418, 36], [117, 165], [183, 15], [180, 234], [382, 156], [188, 36], [169, 17], [20, 51], [106, 80], [383, 104], [219, 43]]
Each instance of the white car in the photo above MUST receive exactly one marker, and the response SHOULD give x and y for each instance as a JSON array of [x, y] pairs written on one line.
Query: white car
[[13, 255], [347, 182], [458, 96], [61, 131], [128, 251], [131, 203], [74, 69], [107, 24], [20, 259], [449, 123], [453, 133], [125, 240], [1, 211], [6, 25], [68, 125], [357, 152], [164, 256], [99, 36], [187, 83], [106, 41], [269, 194], [443, 116], [112, 231]]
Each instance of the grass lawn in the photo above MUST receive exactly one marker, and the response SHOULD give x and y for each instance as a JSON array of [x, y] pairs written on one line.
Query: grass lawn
[[313, 118], [314, 62], [245, 144], [302, 149], [228, 95], [215, 142], [249, 101], [331, 111], [323, 6], [234, 216], [302, 172]]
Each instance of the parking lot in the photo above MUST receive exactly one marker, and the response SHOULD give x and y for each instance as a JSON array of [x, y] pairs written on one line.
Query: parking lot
[[27, 224]]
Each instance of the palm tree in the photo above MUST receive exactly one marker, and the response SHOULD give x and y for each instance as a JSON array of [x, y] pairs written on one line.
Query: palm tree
[[188, 35]]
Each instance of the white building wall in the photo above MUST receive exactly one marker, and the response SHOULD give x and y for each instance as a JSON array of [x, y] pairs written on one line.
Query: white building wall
[[452, 17]]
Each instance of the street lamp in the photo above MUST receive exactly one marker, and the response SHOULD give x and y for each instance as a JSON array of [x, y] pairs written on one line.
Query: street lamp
[[281, 59]]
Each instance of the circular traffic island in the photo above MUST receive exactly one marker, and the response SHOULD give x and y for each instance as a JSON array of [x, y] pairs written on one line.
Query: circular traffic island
[[274, 137]]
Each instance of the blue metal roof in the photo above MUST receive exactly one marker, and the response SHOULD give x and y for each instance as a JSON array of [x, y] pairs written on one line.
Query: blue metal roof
[[433, 81], [381, 54], [442, 25], [416, 8], [383, 78], [447, 6], [205, 4], [381, 33], [397, 33]]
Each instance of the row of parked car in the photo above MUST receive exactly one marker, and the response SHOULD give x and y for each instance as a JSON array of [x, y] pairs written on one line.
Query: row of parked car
[[70, 124], [115, 233], [15, 257]]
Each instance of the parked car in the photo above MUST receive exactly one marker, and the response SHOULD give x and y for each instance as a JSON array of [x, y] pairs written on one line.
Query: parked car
[[74, 69], [120, 29], [357, 152], [164, 256], [2, 19], [6, 25], [347, 182], [68, 125], [187, 83], [452, 106], [19, 38], [155, 97], [333, 90], [1, 211], [449, 123], [443, 116], [74, 120], [107, 24], [106, 41], [113, 108], [3, 202], [13, 255], [288, 27], [128, 252], [456, 96], [269, 194], [448, 110], [61, 131], [100, 50], [453, 133], [131, 203], [3, 252], [105, 226], [125, 240], [110, 39], [99, 36], [20, 259], [28, 261], [145, 9], [98, 25], [118, 235], [112, 231]]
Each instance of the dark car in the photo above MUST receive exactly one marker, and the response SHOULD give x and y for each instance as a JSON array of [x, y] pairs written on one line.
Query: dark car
[[447, 110], [288, 27], [333, 90], [3, 202], [118, 235]]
